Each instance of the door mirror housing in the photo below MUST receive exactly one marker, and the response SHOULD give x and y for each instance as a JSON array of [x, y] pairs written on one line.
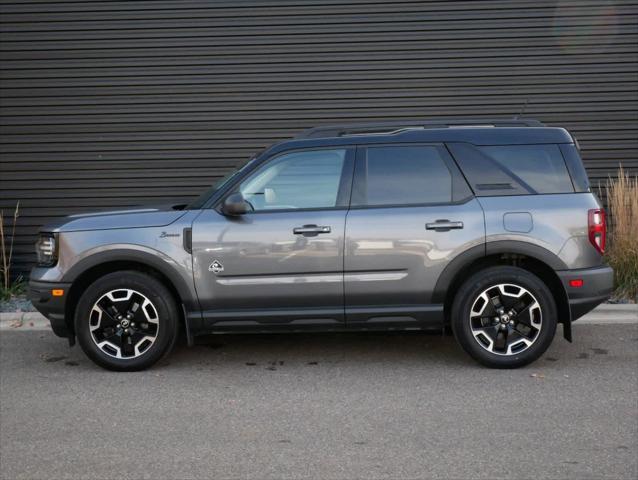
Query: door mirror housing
[[234, 205]]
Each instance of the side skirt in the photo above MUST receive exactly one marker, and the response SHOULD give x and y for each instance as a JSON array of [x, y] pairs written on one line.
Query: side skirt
[[390, 318]]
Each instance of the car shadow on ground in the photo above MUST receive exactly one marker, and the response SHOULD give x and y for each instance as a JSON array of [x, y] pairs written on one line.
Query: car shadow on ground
[[274, 350]]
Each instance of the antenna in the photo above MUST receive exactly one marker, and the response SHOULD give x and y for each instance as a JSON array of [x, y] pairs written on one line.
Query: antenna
[[516, 117]]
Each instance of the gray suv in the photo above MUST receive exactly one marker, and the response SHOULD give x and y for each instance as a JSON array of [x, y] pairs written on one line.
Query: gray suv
[[488, 227]]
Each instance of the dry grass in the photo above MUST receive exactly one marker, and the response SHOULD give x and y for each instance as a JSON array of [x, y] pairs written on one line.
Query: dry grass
[[622, 251], [8, 288]]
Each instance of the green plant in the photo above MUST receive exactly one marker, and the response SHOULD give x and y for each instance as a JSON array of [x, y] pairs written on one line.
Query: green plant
[[622, 254], [17, 287], [9, 288]]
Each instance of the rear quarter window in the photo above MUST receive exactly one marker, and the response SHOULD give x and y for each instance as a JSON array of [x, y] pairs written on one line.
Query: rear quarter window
[[575, 167], [513, 169]]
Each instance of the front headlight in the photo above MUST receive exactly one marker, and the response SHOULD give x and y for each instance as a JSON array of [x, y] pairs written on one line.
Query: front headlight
[[46, 248]]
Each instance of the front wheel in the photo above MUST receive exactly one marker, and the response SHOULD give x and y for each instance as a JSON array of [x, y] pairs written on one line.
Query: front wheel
[[126, 321], [504, 317]]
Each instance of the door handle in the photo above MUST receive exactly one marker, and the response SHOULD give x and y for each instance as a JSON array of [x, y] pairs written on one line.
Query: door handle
[[443, 225], [311, 230]]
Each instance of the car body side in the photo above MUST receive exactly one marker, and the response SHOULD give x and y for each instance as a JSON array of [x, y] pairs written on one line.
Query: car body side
[[546, 234]]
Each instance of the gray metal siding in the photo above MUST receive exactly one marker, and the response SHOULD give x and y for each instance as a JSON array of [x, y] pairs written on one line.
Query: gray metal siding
[[111, 104]]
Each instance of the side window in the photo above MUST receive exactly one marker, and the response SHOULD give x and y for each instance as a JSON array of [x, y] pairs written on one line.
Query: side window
[[575, 167], [540, 167], [305, 179], [512, 169], [403, 175]]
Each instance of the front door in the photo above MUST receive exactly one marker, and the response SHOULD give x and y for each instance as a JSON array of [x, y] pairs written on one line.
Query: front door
[[282, 263], [411, 213]]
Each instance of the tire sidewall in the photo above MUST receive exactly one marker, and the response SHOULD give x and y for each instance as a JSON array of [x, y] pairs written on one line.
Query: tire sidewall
[[478, 283], [150, 287]]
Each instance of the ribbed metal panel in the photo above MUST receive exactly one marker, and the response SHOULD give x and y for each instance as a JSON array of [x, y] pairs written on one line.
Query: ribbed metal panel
[[112, 104]]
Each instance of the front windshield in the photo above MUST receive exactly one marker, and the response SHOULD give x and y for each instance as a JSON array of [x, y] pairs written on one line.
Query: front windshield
[[200, 201]]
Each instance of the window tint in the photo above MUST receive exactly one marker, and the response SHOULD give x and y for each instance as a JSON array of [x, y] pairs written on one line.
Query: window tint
[[575, 167], [307, 179], [483, 173], [539, 167], [405, 175]]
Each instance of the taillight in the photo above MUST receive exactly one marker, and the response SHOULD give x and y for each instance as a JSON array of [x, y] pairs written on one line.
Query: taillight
[[597, 229]]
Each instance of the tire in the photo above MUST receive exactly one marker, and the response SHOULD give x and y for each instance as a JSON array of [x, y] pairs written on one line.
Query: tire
[[126, 343], [500, 340]]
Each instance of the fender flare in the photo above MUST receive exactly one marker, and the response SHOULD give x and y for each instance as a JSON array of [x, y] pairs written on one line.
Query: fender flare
[[450, 272], [529, 249], [461, 261], [157, 261]]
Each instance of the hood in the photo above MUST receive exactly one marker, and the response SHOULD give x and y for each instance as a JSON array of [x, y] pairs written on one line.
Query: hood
[[158, 216]]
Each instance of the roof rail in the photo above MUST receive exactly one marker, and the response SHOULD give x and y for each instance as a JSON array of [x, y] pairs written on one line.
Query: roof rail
[[389, 128]]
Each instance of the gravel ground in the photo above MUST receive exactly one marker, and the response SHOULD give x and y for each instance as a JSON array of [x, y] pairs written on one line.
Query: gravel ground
[[16, 304]]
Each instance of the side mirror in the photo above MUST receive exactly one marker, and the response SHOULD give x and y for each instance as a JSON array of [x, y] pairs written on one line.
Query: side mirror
[[235, 204]]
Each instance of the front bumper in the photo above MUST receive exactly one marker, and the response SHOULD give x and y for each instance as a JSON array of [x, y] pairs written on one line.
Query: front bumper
[[597, 286], [40, 294]]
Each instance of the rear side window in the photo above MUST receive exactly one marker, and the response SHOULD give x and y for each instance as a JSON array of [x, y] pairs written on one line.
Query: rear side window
[[575, 167], [403, 175], [513, 169], [540, 167]]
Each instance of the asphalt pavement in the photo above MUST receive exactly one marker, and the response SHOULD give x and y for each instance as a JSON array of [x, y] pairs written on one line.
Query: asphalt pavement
[[324, 406]]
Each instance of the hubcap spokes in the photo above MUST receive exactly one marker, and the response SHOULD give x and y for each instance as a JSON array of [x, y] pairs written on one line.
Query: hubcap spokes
[[124, 323], [505, 319]]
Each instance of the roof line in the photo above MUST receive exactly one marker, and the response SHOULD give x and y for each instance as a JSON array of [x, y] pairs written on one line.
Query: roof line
[[390, 128]]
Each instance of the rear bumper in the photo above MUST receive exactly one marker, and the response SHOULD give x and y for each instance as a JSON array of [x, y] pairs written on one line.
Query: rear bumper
[[597, 286], [51, 307]]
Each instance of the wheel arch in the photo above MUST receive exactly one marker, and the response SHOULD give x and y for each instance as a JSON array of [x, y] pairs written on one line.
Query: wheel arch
[[88, 270], [537, 260]]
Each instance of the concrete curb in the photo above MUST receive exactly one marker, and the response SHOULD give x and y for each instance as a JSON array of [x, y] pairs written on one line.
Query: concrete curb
[[612, 313], [604, 314], [23, 321]]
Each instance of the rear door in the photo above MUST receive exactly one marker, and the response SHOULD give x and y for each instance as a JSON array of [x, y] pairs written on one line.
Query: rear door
[[411, 213]]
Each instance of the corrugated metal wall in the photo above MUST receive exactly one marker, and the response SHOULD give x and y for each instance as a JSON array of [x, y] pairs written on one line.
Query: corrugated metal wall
[[111, 104]]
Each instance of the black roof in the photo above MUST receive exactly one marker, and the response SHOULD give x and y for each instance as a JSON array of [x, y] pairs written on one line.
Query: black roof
[[385, 128], [476, 132]]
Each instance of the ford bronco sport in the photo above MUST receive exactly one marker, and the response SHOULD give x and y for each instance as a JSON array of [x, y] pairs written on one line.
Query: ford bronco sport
[[488, 227]]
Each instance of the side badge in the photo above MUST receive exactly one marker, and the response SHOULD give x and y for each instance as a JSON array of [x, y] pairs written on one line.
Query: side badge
[[216, 267]]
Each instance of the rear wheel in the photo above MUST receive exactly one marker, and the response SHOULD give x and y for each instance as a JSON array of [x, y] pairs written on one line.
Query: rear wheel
[[504, 317], [126, 321]]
